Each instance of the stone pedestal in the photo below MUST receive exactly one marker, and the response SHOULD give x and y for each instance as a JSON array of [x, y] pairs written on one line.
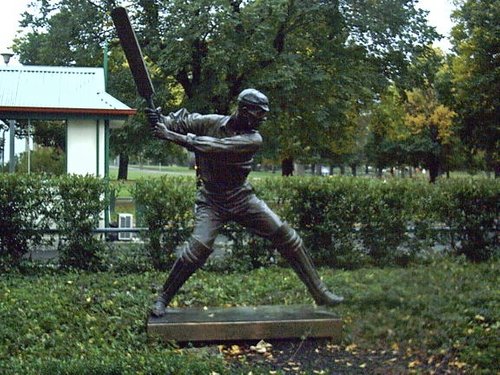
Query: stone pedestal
[[246, 323]]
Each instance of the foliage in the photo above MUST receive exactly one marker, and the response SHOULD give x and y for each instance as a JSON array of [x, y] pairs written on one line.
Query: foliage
[[444, 309], [386, 131], [476, 77], [469, 207], [79, 207], [50, 134], [166, 208], [431, 124], [43, 160], [22, 212], [202, 54], [416, 127], [346, 222], [438, 317], [31, 204], [80, 323]]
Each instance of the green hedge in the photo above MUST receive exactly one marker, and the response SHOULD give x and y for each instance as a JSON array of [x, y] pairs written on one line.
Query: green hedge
[[165, 206], [30, 205], [346, 222]]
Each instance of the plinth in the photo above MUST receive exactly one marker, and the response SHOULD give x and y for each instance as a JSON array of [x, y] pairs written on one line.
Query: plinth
[[246, 323]]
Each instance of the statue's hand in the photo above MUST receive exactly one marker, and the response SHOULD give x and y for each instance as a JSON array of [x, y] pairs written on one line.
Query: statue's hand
[[153, 115], [160, 131]]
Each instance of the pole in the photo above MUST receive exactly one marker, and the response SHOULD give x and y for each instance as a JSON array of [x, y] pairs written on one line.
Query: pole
[[12, 157], [107, 212], [28, 154]]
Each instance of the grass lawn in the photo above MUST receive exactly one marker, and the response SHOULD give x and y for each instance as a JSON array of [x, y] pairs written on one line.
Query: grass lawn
[[135, 173], [424, 319]]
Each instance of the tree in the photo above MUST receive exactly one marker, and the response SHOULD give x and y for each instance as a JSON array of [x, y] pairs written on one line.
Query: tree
[[313, 58], [387, 131], [431, 126], [476, 79]]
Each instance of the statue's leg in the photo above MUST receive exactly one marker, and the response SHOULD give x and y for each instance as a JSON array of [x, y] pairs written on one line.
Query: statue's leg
[[261, 220], [192, 258], [291, 247], [207, 224]]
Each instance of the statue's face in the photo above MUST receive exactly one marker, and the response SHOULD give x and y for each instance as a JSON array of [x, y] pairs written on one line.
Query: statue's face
[[252, 116]]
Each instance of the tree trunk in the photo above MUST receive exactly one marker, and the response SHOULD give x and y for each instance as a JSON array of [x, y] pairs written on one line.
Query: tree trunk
[[287, 167], [319, 172], [433, 167], [342, 169], [354, 170], [123, 167]]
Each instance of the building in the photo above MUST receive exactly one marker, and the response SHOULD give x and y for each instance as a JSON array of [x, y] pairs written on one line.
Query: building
[[73, 94]]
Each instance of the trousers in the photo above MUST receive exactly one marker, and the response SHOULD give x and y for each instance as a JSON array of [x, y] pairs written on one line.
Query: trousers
[[213, 209]]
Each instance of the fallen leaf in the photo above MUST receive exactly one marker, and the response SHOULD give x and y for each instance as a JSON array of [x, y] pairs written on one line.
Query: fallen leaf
[[479, 318], [414, 363], [458, 364], [261, 347], [234, 350], [351, 347]]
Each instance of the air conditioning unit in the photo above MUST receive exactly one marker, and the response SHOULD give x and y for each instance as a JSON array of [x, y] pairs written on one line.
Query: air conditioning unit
[[125, 221]]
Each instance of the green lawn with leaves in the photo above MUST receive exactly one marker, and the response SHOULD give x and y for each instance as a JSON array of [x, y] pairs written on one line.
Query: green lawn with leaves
[[425, 318], [149, 171]]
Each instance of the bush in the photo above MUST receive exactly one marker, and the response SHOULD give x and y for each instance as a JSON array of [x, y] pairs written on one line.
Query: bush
[[470, 208], [23, 212], [43, 160], [78, 208], [165, 205], [32, 204], [346, 222]]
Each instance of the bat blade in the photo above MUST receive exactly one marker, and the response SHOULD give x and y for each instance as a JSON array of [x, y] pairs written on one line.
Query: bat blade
[[130, 45]]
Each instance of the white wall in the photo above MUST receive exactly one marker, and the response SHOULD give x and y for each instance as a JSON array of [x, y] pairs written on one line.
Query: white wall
[[85, 144]]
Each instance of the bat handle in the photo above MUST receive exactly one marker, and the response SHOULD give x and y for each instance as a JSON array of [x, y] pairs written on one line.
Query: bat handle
[[150, 103]]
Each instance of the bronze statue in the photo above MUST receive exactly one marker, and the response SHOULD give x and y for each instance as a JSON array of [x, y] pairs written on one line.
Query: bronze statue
[[224, 147]]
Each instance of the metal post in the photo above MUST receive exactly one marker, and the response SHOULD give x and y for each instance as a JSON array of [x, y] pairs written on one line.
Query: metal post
[[28, 153], [106, 172], [3, 149], [12, 157]]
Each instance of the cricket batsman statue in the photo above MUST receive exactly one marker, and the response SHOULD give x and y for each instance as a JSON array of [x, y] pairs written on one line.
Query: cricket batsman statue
[[224, 147]]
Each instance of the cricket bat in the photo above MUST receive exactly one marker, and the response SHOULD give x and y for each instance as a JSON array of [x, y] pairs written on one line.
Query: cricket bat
[[130, 45]]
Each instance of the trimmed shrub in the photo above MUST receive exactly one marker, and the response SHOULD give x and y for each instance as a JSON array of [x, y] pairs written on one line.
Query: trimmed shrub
[[32, 204], [470, 208], [165, 205], [345, 222], [23, 212], [78, 207]]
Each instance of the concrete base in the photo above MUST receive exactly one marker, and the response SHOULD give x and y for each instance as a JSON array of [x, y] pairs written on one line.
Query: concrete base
[[246, 323]]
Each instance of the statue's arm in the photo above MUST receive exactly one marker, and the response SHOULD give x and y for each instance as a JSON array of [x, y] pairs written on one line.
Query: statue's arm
[[243, 143], [183, 122], [235, 144]]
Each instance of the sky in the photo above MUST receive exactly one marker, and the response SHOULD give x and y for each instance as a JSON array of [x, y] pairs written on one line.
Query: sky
[[10, 15]]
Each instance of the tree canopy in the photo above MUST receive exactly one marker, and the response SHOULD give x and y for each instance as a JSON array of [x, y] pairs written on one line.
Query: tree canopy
[[476, 76], [321, 62]]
